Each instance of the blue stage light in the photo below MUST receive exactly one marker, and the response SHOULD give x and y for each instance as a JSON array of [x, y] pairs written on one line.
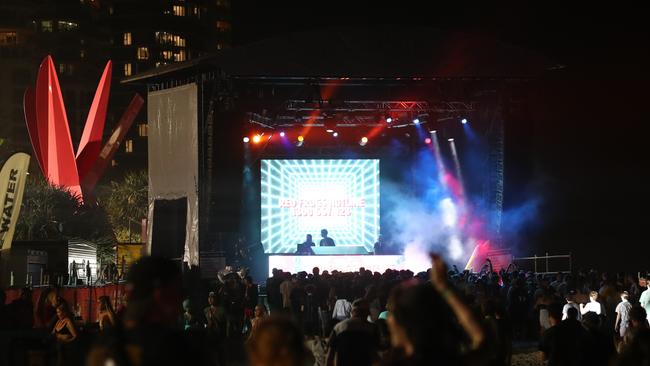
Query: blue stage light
[[282, 134], [463, 121]]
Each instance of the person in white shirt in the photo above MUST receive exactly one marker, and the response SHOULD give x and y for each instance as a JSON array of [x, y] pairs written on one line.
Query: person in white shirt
[[570, 303], [622, 315], [644, 300], [342, 310], [592, 305], [285, 289]]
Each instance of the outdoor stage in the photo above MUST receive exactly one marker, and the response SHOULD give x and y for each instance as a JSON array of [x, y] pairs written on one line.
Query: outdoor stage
[[363, 148]]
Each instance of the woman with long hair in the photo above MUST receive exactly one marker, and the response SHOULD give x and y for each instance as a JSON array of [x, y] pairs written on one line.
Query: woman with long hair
[[107, 317], [65, 333]]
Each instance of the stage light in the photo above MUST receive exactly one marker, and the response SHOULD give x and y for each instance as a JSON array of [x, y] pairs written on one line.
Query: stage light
[[335, 134], [363, 141], [416, 121], [282, 134], [329, 123], [433, 132], [463, 121], [450, 140], [257, 139], [301, 138], [389, 120], [427, 141], [246, 139]]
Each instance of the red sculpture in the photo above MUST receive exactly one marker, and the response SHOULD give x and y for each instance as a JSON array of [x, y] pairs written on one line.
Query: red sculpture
[[49, 133]]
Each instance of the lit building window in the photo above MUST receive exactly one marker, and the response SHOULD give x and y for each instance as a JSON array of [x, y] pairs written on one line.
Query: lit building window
[[82, 53], [113, 163], [179, 10], [165, 38], [67, 26], [127, 39], [219, 46], [180, 56], [66, 69], [46, 26], [142, 130], [128, 146], [195, 11], [223, 3], [127, 69], [8, 38], [167, 55], [223, 26], [143, 53]]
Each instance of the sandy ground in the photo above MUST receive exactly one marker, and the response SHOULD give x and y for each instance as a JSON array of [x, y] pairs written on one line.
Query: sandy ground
[[532, 358]]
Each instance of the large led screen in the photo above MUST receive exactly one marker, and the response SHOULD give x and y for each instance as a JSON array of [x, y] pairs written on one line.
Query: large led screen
[[301, 197]]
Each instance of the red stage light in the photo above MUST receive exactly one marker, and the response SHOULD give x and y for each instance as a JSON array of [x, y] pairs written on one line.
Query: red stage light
[[257, 139], [427, 141]]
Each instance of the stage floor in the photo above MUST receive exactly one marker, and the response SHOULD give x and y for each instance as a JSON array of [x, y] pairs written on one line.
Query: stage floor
[[343, 263]]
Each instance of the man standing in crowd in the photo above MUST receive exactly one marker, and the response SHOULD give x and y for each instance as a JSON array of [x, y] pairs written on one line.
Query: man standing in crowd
[[571, 304], [274, 297], [354, 341], [285, 289], [622, 315], [562, 343], [88, 274], [73, 273]]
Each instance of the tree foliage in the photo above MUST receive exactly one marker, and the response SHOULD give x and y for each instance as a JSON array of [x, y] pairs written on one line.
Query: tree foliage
[[53, 213], [126, 204]]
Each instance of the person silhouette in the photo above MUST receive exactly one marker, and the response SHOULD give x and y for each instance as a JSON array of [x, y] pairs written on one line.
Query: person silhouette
[[326, 241]]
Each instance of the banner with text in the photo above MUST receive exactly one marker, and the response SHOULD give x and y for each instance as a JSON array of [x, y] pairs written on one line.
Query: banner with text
[[12, 187]]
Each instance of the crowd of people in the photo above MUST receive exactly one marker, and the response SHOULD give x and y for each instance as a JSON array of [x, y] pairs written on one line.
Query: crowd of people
[[362, 318]]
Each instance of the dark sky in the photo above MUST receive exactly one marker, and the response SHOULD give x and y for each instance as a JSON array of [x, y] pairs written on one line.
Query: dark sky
[[585, 151]]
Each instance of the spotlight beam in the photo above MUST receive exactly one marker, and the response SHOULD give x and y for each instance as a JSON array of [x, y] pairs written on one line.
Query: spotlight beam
[[459, 175], [438, 156]]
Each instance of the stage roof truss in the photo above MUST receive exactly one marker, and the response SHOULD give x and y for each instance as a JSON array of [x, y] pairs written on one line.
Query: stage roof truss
[[354, 113]]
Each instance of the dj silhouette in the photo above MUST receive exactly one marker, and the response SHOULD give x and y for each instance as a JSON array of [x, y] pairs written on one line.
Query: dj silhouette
[[326, 241]]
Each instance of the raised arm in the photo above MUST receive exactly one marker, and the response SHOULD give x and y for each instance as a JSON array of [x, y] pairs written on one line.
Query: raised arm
[[465, 317]]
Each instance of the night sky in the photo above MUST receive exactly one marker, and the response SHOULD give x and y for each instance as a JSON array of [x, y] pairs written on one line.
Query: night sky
[[584, 152]]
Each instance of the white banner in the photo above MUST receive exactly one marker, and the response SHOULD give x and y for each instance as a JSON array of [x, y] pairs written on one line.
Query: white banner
[[173, 158], [12, 187]]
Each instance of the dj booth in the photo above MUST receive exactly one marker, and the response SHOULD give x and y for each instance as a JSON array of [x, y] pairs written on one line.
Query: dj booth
[[347, 250], [350, 261]]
